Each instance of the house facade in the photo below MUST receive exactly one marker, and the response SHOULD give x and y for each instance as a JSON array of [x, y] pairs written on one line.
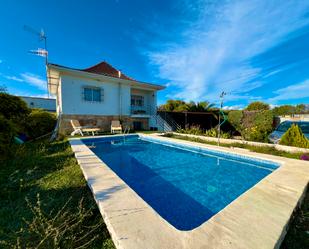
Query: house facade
[[100, 94], [46, 104]]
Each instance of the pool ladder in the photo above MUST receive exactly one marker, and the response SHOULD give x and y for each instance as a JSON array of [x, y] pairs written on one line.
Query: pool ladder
[[126, 131]]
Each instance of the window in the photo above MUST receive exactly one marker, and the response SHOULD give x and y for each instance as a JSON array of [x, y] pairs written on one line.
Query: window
[[137, 100], [93, 94]]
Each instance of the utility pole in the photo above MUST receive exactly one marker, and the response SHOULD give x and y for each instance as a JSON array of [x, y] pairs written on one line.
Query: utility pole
[[220, 111]]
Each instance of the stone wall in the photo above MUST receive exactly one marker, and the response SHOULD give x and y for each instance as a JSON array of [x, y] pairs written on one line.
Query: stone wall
[[100, 121]]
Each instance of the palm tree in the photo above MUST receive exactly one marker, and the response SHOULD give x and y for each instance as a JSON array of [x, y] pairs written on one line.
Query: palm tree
[[203, 106]]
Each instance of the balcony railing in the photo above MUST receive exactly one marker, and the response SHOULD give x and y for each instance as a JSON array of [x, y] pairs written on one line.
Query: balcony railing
[[141, 110]]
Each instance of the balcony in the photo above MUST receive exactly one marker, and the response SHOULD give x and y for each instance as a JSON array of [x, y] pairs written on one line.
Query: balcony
[[140, 111]]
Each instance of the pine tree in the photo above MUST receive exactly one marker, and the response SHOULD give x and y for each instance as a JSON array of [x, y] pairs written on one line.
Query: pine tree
[[294, 137]]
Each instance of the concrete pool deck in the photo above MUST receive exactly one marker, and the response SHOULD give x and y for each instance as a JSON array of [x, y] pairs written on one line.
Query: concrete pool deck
[[256, 219]]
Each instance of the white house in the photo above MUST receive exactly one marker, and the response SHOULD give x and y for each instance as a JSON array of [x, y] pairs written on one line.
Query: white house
[[100, 94], [46, 104]]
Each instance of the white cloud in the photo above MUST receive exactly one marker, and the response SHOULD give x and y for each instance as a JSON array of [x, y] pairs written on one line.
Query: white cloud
[[34, 80], [13, 78], [216, 50], [233, 107], [27, 94], [272, 106], [296, 91], [28, 78]]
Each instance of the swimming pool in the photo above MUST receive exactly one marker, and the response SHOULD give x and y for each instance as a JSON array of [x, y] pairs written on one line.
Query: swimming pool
[[185, 185]]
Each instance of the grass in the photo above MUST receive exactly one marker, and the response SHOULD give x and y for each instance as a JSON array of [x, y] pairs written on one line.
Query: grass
[[147, 132], [258, 149], [45, 202]]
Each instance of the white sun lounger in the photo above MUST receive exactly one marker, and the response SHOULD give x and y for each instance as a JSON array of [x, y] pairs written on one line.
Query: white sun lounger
[[78, 129]]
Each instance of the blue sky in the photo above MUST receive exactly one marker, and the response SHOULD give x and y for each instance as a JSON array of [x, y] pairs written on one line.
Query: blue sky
[[253, 50]]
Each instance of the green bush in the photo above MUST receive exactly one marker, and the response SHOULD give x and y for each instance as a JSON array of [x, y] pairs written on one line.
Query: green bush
[[252, 125], [258, 106], [213, 132], [39, 123], [235, 119], [7, 133], [294, 137], [196, 130], [257, 125], [13, 107], [193, 130]]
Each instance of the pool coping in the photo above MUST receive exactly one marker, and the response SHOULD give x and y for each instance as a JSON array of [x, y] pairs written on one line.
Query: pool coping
[[256, 219]]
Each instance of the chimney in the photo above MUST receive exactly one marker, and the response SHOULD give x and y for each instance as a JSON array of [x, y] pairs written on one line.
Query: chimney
[[119, 74]]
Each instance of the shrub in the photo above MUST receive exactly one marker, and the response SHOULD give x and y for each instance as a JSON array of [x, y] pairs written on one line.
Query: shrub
[[13, 107], [235, 119], [39, 123], [257, 106], [193, 130], [62, 229], [257, 125], [213, 132], [304, 157], [294, 137], [7, 133]]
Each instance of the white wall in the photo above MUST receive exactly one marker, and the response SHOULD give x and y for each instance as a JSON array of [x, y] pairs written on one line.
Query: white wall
[[73, 103], [42, 103], [59, 98]]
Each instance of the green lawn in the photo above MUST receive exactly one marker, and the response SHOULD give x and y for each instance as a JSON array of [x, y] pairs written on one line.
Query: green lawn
[[45, 202]]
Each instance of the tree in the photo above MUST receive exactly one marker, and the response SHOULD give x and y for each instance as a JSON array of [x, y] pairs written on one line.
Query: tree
[[301, 108], [7, 133], [283, 110], [257, 125], [294, 137], [39, 123], [13, 107], [257, 106], [289, 109], [203, 106], [235, 119], [180, 106], [3, 89], [173, 105]]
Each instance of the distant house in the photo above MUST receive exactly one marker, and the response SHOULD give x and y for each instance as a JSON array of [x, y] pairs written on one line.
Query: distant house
[[46, 104], [99, 94]]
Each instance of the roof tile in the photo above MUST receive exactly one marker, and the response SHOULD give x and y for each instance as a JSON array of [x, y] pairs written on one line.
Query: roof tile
[[106, 69]]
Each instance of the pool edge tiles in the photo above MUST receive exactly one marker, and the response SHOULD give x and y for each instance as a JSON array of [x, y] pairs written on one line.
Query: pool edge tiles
[[189, 186], [134, 224], [216, 150]]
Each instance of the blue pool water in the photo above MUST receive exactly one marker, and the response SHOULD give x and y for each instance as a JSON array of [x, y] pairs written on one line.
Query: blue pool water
[[185, 185]]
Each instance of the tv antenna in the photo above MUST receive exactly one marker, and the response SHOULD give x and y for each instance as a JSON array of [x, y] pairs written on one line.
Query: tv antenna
[[40, 51], [42, 37]]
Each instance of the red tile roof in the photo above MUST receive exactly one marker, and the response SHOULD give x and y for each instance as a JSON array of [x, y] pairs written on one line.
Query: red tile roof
[[103, 68], [106, 69]]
